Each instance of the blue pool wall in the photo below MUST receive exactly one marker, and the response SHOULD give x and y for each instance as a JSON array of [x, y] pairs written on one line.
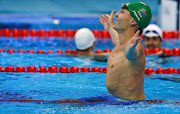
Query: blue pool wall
[[72, 14]]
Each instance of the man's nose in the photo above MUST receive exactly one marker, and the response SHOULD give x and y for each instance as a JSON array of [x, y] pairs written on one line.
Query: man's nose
[[151, 41], [116, 15]]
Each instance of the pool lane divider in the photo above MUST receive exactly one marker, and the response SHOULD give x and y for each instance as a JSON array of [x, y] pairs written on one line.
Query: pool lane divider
[[166, 51], [48, 33], [66, 33], [75, 69], [76, 101], [44, 101], [52, 69]]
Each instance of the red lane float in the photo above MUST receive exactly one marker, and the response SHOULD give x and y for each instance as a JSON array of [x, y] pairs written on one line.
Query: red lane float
[[63, 69], [51, 33], [75, 52], [74, 69], [42, 33], [21, 51], [167, 51], [156, 50], [170, 71], [20, 69], [67, 33], [175, 34], [11, 51], [33, 33], [104, 70], [49, 51], [6, 32], [40, 51], [149, 71], [166, 34], [59, 33], [69, 51], [175, 51], [147, 51], [32, 69], [104, 34], [96, 69], [15, 33], [2, 50], [42, 69], [98, 51], [1, 69], [96, 32], [159, 71], [178, 71], [85, 69], [24, 32], [30, 51], [107, 50], [59, 51], [52, 69], [9, 69]]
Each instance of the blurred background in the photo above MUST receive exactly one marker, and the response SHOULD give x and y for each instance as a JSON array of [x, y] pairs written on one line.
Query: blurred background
[[66, 14]]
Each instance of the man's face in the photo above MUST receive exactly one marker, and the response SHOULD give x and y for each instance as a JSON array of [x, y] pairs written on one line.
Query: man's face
[[152, 42], [123, 19]]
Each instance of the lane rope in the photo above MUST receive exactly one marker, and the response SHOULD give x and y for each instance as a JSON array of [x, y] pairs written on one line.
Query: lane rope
[[71, 101], [66, 33], [48, 33], [52, 69], [166, 51], [75, 69]]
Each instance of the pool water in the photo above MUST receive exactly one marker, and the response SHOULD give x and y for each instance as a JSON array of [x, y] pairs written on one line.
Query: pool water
[[58, 86]]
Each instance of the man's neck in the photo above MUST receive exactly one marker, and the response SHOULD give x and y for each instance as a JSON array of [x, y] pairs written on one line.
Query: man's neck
[[125, 36]]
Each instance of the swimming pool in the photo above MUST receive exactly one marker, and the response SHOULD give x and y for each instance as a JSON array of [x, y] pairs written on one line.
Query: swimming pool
[[32, 88]]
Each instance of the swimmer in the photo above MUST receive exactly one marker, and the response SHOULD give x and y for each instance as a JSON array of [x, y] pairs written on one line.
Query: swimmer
[[85, 43], [152, 37], [126, 62]]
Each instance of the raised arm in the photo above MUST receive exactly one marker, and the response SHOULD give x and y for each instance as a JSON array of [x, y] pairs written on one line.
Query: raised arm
[[107, 22], [134, 49]]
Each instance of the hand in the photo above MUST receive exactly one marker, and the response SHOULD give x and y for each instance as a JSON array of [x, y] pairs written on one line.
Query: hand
[[134, 41], [107, 21], [131, 51]]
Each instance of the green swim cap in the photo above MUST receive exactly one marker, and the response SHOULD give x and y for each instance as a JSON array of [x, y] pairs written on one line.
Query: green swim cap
[[141, 13]]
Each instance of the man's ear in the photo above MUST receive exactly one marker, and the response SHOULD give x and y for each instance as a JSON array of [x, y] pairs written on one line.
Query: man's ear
[[133, 22]]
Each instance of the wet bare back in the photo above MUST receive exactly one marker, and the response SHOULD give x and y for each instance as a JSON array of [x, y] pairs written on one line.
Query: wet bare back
[[125, 78]]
